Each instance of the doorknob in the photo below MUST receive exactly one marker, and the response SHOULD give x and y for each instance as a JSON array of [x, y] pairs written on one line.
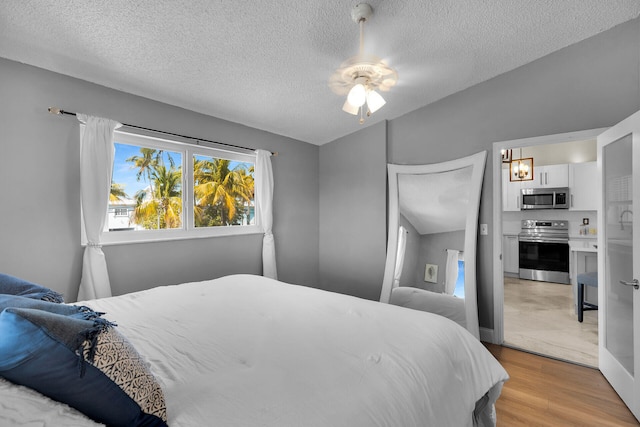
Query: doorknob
[[633, 283]]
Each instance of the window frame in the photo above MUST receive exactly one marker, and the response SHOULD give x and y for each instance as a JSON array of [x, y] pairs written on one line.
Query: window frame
[[188, 230]]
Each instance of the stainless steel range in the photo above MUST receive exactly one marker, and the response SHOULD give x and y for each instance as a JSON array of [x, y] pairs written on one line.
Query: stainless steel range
[[544, 250]]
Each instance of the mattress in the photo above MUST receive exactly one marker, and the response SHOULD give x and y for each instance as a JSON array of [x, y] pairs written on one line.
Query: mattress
[[246, 350]]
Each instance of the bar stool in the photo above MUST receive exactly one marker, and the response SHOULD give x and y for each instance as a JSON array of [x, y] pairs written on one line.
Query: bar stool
[[588, 279]]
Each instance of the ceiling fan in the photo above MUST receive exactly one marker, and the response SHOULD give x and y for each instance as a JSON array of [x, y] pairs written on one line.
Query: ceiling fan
[[360, 76]]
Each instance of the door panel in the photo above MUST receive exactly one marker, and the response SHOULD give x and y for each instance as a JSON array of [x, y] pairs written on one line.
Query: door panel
[[617, 170], [619, 307]]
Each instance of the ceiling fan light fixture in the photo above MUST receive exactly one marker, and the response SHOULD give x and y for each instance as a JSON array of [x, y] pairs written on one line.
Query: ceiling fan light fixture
[[360, 76], [349, 108], [375, 101], [357, 95]]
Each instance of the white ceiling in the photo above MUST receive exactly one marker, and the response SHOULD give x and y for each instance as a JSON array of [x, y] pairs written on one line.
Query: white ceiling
[[266, 64]]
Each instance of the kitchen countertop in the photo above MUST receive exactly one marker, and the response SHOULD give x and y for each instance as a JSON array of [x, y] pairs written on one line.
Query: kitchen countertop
[[583, 237], [583, 245]]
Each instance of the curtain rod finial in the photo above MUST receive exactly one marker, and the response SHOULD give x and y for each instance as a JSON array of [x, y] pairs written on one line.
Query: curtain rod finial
[[55, 110]]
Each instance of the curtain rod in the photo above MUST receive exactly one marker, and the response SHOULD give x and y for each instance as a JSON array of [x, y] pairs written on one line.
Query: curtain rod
[[60, 111]]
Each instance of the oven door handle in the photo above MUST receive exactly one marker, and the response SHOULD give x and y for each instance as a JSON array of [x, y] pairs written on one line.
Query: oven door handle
[[545, 240]]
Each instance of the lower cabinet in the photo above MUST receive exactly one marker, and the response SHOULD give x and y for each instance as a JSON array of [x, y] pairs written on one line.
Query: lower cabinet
[[510, 254]]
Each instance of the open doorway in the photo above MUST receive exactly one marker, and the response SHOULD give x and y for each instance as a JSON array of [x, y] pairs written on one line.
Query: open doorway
[[535, 294]]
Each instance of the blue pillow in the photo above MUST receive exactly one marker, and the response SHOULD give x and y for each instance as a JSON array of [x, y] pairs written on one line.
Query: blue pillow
[[86, 364], [15, 286]]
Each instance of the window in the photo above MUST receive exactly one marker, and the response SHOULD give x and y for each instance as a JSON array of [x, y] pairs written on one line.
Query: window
[[459, 291], [222, 192], [165, 189]]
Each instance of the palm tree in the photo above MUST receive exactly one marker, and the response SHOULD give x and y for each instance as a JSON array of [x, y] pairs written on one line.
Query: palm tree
[[117, 193], [160, 205], [146, 163], [220, 192]]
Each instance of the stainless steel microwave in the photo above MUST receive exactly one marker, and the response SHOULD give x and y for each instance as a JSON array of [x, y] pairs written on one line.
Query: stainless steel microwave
[[545, 198]]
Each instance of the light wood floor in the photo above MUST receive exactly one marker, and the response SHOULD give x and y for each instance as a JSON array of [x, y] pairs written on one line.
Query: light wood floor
[[547, 392], [540, 317]]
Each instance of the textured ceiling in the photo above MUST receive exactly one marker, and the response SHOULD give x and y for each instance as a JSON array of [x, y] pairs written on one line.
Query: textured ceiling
[[266, 64]]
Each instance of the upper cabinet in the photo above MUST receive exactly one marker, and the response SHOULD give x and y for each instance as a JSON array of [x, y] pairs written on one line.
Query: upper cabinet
[[583, 182], [510, 193], [581, 178], [549, 176]]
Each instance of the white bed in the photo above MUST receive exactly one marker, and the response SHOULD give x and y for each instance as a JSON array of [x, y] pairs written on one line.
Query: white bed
[[244, 350]]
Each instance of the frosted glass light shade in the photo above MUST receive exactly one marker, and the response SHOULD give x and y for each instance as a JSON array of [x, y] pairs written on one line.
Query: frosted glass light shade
[[357, 95], [351, 109], [374, 101]]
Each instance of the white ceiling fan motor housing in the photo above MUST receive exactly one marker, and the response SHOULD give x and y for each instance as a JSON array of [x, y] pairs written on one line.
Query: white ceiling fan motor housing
[[362, 11]]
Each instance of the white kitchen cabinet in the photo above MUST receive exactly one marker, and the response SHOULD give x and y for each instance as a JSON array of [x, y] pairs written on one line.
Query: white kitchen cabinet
[[510, 254], [510, 193], [583, 184], [549, 176]]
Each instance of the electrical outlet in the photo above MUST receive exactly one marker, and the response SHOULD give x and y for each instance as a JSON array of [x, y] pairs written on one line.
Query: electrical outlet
[[484, 229]]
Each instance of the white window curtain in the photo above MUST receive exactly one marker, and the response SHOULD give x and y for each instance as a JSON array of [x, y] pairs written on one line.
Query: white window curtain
[[264, 200], [96, 164], [402, 247], [451, 271]]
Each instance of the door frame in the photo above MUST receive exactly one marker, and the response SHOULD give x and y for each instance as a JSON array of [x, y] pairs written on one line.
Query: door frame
[[497, 337]]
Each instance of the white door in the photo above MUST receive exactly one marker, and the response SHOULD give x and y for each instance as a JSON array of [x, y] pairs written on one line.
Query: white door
[[618, 267]]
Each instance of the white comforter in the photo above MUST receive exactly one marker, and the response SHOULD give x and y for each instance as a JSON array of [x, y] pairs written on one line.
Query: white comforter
[[248, 351]]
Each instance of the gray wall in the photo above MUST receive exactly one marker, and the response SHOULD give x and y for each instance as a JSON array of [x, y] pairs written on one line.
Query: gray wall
[[40, 177], [433, 249], [410, 265], [427, 249], [592, 84], [353, 213]]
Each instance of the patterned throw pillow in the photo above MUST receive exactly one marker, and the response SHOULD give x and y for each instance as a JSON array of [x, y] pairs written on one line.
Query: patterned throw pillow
[[11, 285], [122, 364], [84, 363]]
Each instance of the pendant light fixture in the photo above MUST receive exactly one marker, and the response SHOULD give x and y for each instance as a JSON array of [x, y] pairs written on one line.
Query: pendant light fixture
[[360, 76], [521, 169]]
